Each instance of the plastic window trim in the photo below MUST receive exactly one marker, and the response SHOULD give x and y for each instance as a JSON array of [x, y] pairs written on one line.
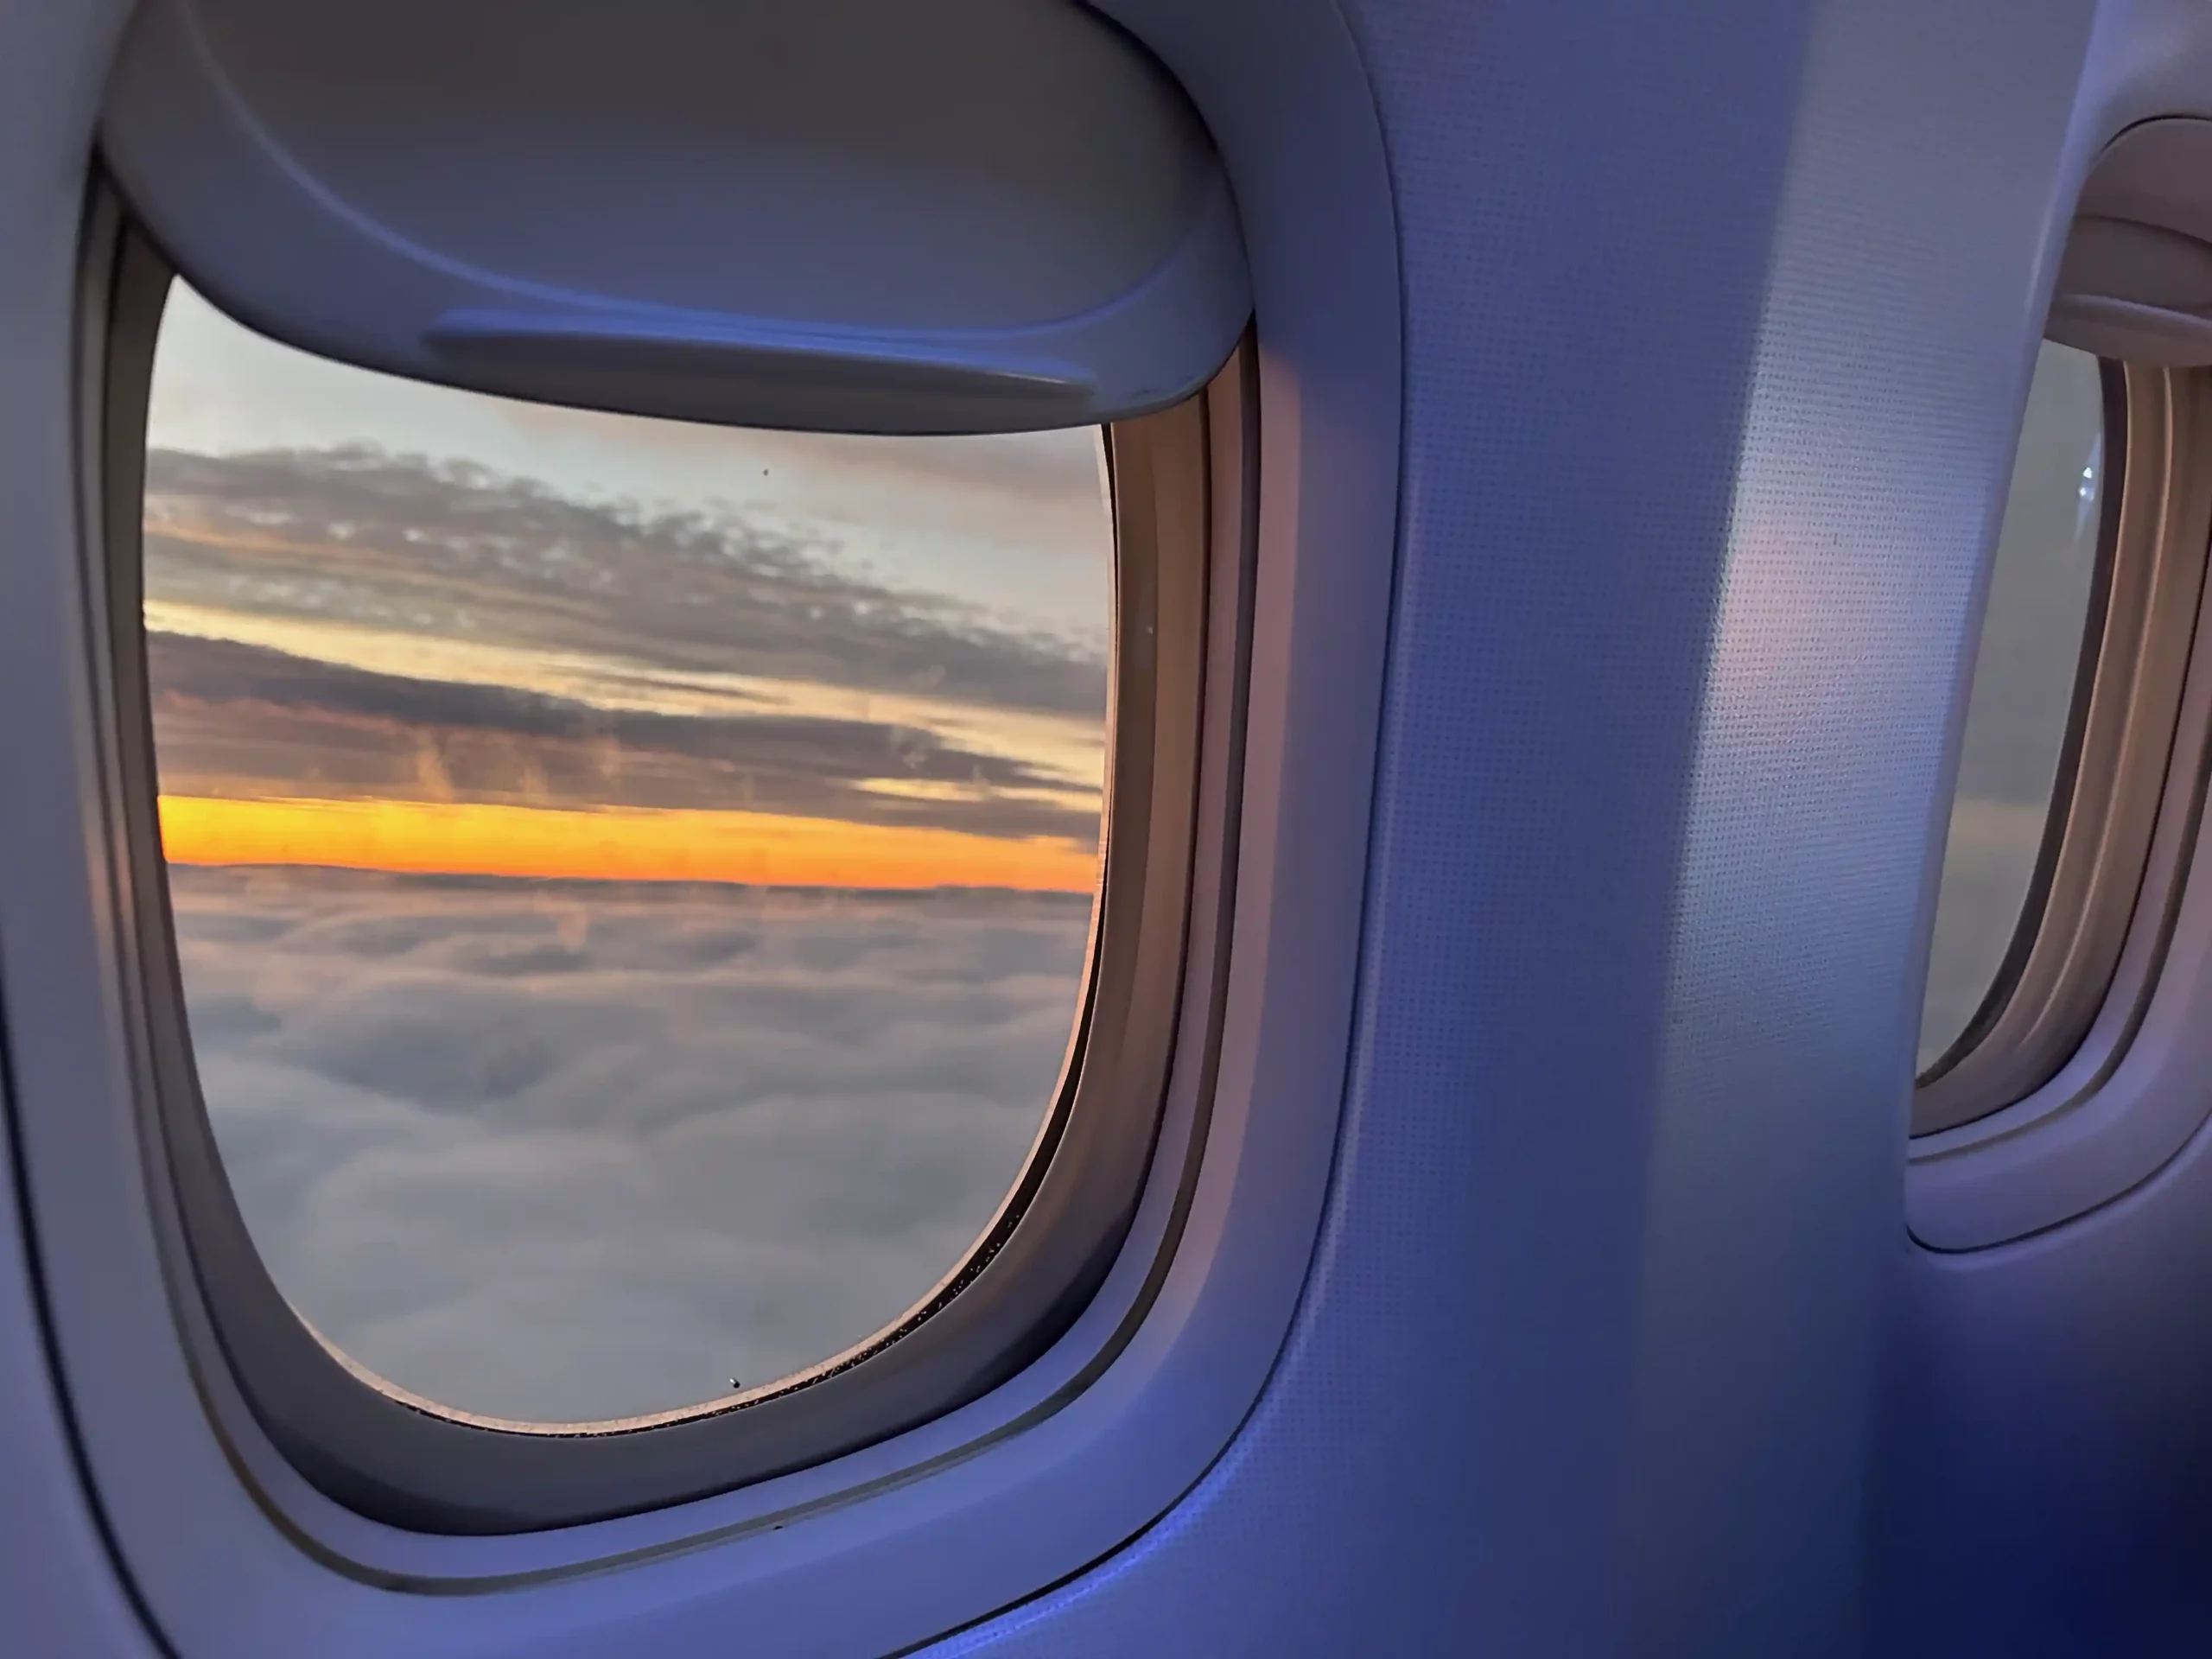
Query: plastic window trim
[[382, 1457], [2070, 978]]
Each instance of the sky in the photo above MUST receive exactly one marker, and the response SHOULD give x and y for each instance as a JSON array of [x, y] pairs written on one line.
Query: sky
[[633, 881], [1016, 519], [361, 589]]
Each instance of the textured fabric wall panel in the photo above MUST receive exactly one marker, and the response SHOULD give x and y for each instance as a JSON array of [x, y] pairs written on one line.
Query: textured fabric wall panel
[[1714, 353]]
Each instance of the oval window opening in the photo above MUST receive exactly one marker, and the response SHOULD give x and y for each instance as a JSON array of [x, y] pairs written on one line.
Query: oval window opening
[[632, 882], [2035, 660]]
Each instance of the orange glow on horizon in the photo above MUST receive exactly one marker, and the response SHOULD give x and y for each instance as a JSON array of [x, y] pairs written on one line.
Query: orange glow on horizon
[[614, 844]]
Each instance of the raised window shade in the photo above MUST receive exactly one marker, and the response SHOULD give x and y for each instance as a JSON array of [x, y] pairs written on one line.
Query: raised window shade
[[854, 215]]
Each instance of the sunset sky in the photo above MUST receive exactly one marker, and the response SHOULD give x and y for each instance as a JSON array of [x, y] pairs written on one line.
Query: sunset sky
[[396, 626], [631, 881]]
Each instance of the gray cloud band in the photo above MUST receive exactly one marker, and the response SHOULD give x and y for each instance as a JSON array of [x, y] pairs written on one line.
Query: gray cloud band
[[234, 718], [357, 535]]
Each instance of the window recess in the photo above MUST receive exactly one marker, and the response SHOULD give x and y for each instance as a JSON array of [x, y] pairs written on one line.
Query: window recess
[[2077, 1080], [276, 597], [2066, 971], [863, 222]]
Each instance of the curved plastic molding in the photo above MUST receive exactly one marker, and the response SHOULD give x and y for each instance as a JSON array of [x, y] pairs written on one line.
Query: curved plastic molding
[[2159, 335], [2136, 281], [856, 215]]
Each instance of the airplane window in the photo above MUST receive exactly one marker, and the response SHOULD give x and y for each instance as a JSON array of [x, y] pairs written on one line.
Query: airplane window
[[2043, 592], [633, 881]]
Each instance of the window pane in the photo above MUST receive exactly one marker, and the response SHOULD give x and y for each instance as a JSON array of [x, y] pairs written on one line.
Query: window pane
[[633, 881], [2040, 594]]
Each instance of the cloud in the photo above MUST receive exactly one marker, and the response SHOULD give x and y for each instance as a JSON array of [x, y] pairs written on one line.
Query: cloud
[[562, 1151], [235, 719], [448, 548]]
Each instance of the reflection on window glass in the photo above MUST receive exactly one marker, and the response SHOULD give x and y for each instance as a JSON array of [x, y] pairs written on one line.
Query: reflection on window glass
[[631, 879], [2040, 594]]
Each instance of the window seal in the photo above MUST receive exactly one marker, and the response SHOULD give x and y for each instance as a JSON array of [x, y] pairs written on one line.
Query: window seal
[[425, 1470], [2064, 965]]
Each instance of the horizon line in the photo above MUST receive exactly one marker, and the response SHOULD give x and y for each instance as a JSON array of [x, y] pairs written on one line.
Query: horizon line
[[632, 844]]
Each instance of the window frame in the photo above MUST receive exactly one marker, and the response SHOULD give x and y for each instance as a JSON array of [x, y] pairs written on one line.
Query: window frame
[[403, 1463], [2068, 967], [932, 1531]]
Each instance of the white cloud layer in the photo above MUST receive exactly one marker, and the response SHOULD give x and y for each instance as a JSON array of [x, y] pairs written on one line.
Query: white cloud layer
[[570, 1151]]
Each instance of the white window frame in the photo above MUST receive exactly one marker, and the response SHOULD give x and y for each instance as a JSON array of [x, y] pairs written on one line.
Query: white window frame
[[413, 1464], [962, 1524], [2075, 1091]]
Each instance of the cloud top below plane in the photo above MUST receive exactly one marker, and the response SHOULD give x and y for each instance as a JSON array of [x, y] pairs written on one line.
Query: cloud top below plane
[[365, 661], [564, 1153]]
